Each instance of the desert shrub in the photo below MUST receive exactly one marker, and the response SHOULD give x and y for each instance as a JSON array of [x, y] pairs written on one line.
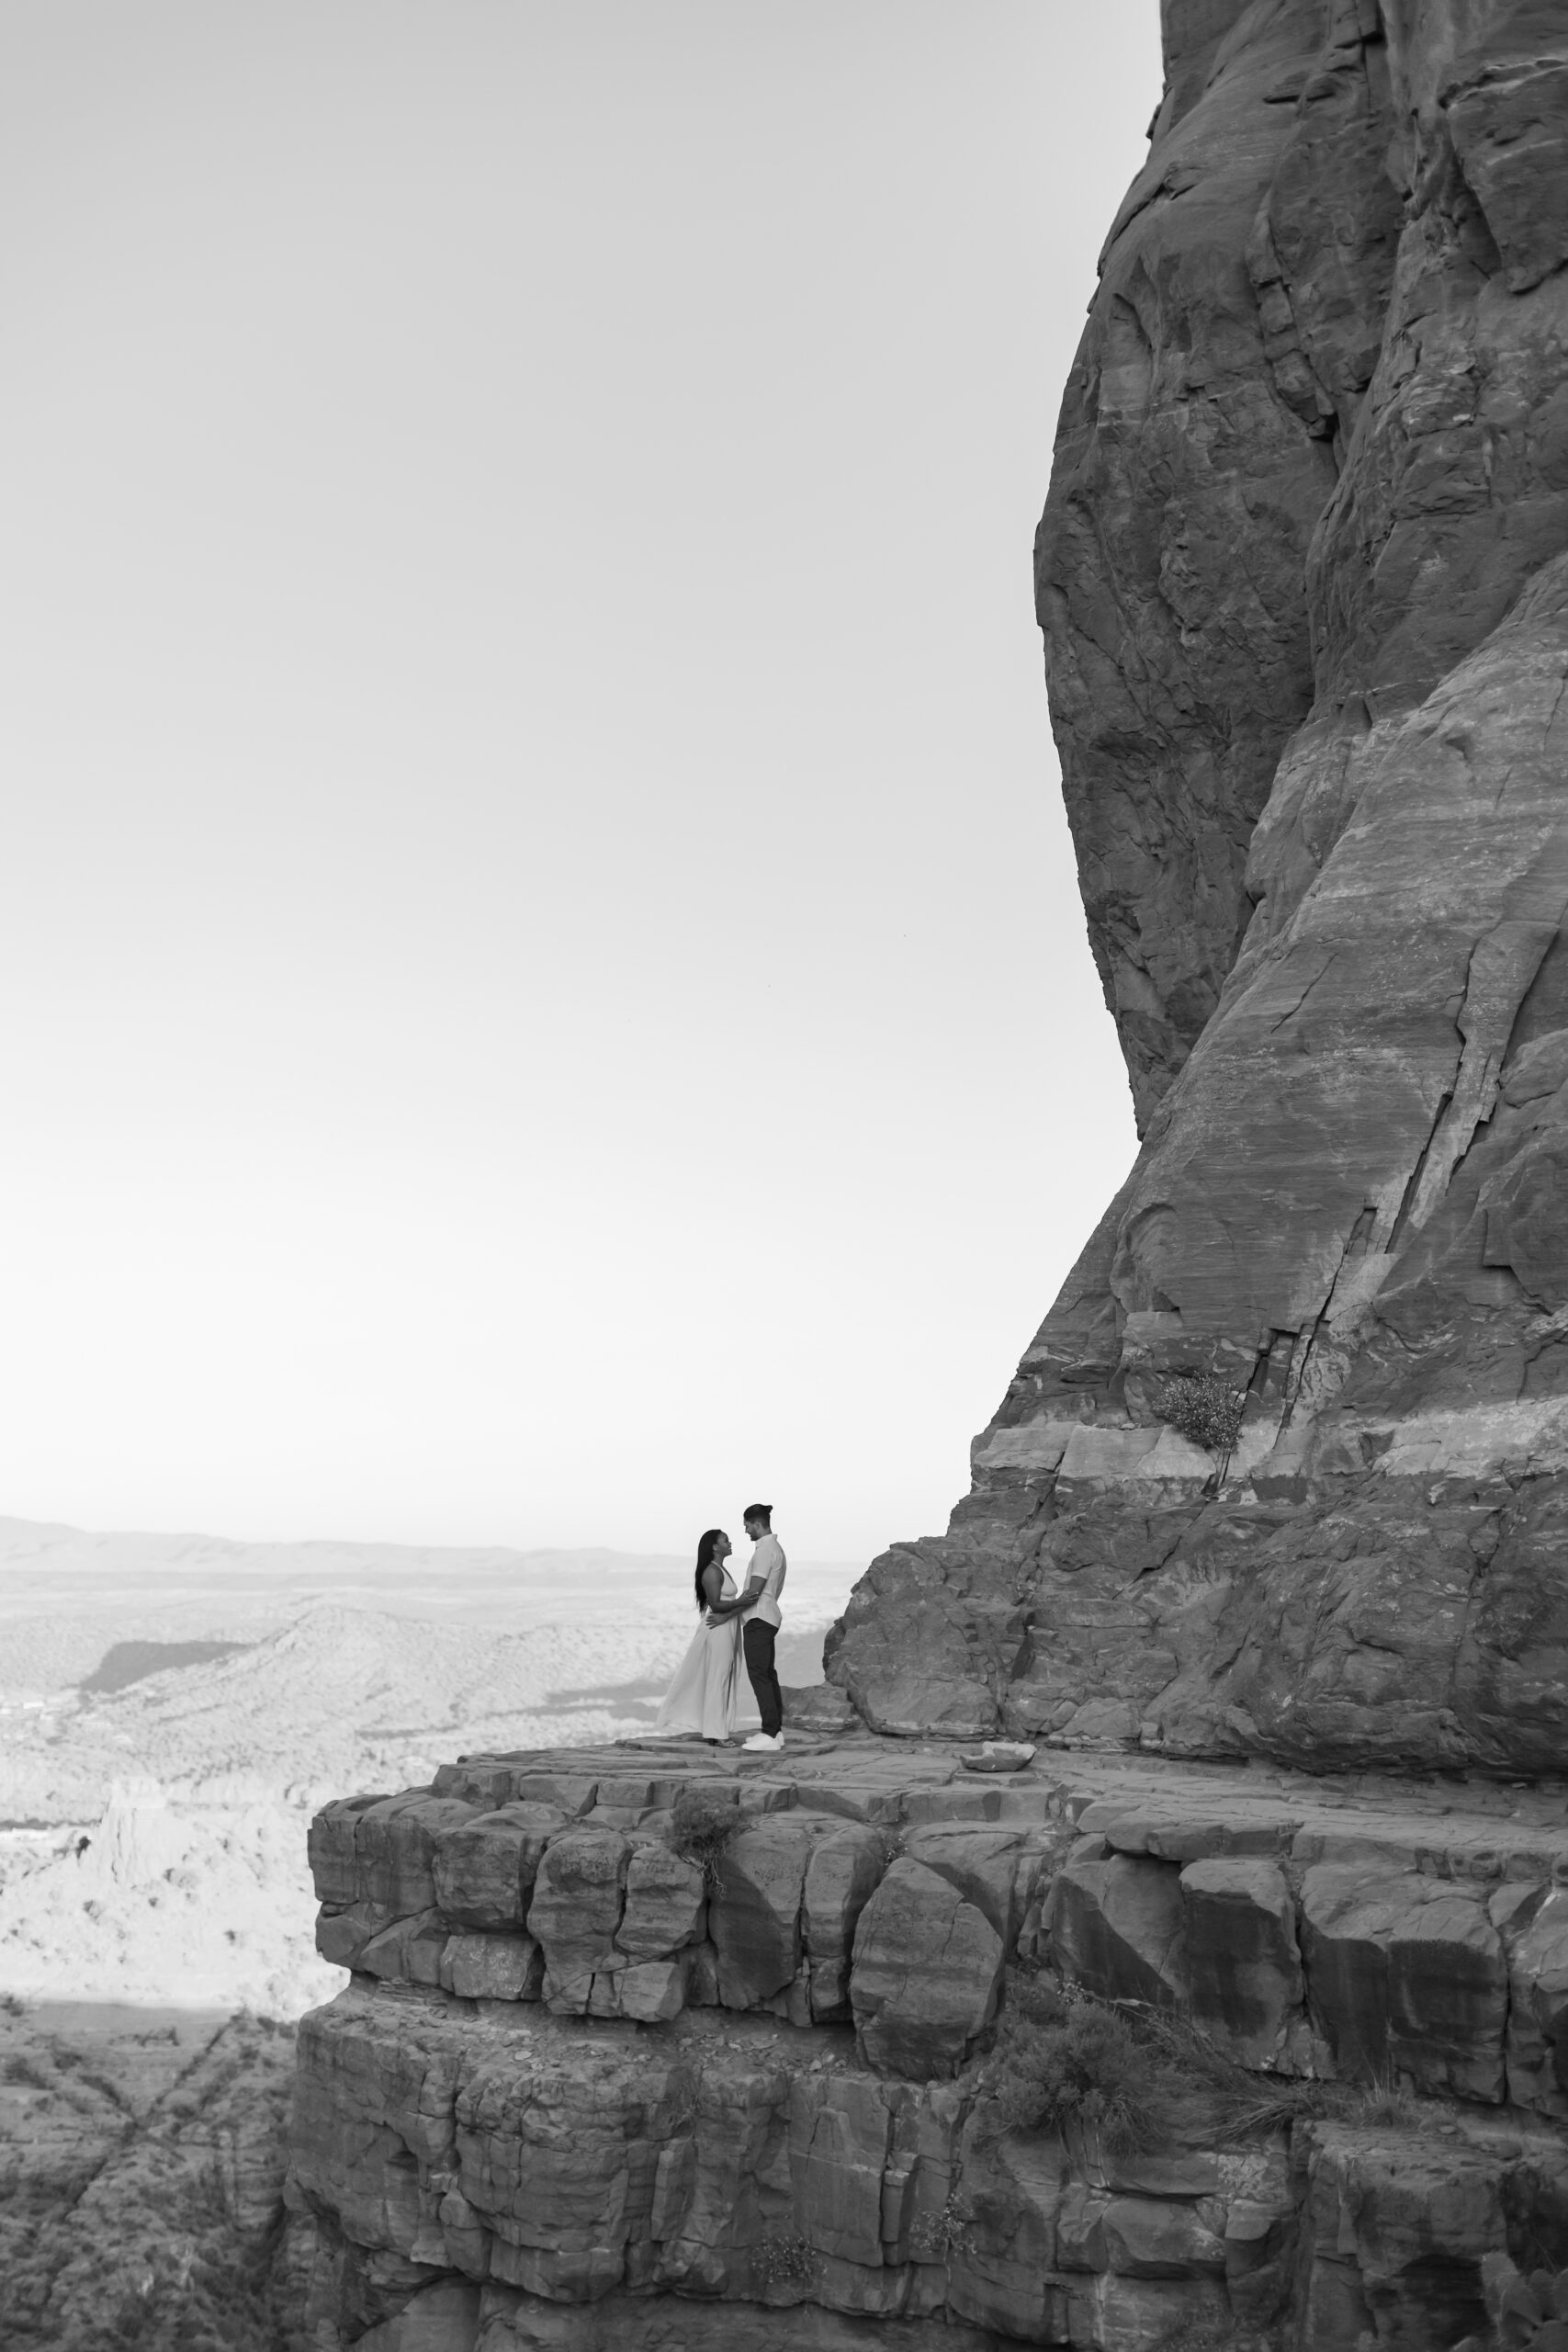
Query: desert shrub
[[937, 2235], [1059, 2060], [786, 2262], [1203, 1408], [1131, 2074], [701, 1826]]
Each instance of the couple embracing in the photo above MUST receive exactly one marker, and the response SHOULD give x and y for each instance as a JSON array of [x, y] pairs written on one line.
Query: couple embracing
[[709, 1695]]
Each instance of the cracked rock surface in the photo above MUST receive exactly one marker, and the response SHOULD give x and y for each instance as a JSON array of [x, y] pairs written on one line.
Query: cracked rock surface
[[790, 2146], [1303, 583]]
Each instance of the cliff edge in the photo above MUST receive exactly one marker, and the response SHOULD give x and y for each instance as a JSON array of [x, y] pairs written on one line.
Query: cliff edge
[[1094, 2053], [1303, 582]]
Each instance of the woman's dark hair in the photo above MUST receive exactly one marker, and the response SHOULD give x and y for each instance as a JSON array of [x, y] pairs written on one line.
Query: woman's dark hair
[[704, 1560]]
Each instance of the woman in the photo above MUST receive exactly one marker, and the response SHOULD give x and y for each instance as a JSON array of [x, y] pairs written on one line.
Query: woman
[[710, 1694]]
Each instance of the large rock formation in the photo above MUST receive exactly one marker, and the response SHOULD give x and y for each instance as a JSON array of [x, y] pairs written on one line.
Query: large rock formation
[[1303, 581], [861, 2070], [580, 2094]]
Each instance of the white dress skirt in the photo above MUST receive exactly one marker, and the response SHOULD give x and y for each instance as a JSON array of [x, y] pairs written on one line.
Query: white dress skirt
[[711, 1693]]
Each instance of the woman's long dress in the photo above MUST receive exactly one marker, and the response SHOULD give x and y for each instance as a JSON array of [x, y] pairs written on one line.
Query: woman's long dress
[[711, 1693]]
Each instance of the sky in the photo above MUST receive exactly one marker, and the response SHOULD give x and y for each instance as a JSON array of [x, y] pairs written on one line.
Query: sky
[[544, 991]]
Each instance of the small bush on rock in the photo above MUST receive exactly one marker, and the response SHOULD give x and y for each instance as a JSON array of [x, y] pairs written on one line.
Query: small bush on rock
[[1131, 2076], [701, 1826], [1060, 2059], [1204, 1410], [786, 2262], [936, 2236]]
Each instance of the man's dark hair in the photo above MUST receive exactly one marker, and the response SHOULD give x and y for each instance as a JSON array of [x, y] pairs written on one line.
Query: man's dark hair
[[764, 1511]]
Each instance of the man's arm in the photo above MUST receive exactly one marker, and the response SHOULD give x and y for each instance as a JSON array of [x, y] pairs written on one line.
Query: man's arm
[[743, 1599]]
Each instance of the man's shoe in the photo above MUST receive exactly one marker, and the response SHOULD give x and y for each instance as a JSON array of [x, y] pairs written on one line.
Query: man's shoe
[[764, 1739]]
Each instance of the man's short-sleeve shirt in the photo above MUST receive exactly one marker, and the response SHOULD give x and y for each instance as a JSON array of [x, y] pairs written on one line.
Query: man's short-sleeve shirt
[[769, 1563]]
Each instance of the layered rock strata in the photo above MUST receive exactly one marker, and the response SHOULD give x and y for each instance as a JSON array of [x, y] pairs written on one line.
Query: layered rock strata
[[576, 2096], [1304, 590]]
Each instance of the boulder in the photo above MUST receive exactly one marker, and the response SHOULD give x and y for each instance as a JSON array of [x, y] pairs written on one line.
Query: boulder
[[838, 2137], [395, 1845], [909, 1651], [1240, 1959], [845, 1866], [997, 1869], [1537, 1939], [578, 1895], [331, 1849], [666, 1905], [408, 1953], [817, 1706], [493, 1968], [1405, 1976], [484, 1868], [1136, 2237], [754, 1919], [1116, 1928], [342, 1934], [926, 1973], [1002, 2250], [1394, 2233], [647, 1991]]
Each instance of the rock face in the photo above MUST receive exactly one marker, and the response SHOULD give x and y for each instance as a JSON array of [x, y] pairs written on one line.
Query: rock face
[[1303, 582], [847, 2077], [790, 2146]]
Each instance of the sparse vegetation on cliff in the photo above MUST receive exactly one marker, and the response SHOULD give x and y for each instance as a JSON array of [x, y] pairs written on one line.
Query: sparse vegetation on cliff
[[133, 2227], [1129, 2077], [786, 2262], [1205, 1409], [1062, 2059], [703, 1824]]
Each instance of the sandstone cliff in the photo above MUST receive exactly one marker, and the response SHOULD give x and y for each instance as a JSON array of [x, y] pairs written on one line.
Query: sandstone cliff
[[580, 2091], [1303, 582], [883, 2062]]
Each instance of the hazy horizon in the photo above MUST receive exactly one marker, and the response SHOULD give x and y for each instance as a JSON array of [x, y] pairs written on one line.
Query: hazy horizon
[[548, 986]]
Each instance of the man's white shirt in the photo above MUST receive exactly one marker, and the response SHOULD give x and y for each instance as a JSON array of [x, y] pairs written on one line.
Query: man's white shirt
[[769, 1563]]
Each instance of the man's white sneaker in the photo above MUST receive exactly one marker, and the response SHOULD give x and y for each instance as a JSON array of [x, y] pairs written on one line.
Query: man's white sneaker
[[764, 1739]]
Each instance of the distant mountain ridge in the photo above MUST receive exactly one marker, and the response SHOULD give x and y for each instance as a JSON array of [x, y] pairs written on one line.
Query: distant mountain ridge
[[486, 1583]]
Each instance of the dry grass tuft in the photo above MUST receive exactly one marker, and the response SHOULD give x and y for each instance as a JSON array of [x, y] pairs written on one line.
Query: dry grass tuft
[[1140, 2078]]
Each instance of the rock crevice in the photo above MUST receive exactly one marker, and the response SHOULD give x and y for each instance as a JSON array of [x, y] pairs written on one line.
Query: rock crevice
[[1303, 582]]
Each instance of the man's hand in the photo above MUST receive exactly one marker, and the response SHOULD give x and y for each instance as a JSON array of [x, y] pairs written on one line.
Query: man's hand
[[743, 1599]]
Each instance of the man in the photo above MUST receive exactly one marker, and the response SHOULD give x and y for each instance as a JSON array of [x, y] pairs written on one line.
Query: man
[[764, 1581]]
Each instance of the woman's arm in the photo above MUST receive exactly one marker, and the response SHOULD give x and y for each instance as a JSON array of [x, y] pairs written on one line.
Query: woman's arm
[[742, 1601]]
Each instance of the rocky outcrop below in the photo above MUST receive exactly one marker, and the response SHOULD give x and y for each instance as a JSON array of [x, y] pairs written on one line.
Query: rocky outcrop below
[[586, 2090], [1303, 581], [141, 2169]]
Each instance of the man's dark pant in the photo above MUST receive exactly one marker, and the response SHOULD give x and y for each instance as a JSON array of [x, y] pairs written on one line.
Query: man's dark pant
[[757, 1640]]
